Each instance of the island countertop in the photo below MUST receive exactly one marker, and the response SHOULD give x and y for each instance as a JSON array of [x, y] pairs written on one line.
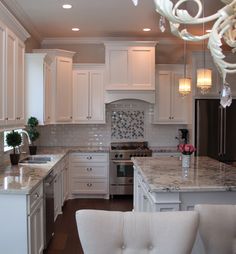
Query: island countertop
[[204, 174]]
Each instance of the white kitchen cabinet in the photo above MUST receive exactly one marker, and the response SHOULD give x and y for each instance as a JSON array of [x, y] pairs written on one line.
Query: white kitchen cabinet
[[61, 84], [36, 233], [2, 73], [12, 79], [57, 190], [65, 179], [88, 94], [142, 198], [22, 220], [130, 65], [38, 87], [20, 84], [170, 107], [89, 174]]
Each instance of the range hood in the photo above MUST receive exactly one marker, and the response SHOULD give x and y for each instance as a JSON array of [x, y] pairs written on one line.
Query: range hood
[[144, 95]]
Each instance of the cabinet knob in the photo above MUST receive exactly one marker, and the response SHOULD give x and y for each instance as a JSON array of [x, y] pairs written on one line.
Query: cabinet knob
[[36, 195], [71, 117], [89, 158], [144, 197], [6, 118], [89, 169]]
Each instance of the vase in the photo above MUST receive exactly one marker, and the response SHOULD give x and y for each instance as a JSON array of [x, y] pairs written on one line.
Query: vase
[[186, 159], [32, 150], [14, 157]]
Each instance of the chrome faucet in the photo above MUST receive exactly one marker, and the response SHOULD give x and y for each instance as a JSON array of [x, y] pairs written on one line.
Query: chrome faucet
[[27, 135]]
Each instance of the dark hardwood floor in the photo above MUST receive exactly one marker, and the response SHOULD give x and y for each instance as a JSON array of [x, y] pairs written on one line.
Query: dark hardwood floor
[[66, 240]]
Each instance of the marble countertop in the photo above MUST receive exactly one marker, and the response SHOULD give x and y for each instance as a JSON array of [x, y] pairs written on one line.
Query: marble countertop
[[23, 178], [204, 174]]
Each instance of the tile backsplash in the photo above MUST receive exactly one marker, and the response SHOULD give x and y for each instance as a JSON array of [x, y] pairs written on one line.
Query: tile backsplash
[[126, 120]]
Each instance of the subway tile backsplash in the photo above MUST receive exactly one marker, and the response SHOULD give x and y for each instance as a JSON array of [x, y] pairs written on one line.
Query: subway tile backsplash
[[126, 120]]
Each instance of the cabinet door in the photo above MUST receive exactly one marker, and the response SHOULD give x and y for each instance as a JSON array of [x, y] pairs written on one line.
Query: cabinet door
[[19, 99], [96, 99], [164, 80], [117, 68], [2, 73], [11, 46], [142, 68], [47, 93], [36, 230], [65, 180], [178, 108], [64, 89], [81, 96]]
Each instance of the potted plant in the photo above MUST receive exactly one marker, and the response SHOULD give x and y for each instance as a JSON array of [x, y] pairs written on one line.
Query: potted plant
[[33, 133], [14, 139]]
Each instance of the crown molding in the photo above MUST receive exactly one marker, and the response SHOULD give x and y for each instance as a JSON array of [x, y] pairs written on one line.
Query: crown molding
[[15, 9], [11, 22], [93, 40]]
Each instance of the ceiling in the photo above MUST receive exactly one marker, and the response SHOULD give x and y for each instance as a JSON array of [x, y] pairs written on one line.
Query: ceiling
[[95, 18]]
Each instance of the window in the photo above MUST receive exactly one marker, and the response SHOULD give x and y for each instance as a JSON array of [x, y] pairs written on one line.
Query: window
[[6, 147]]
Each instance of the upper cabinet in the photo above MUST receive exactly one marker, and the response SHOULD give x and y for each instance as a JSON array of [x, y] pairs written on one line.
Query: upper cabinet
[[130, 65], [61, 84], [88, 93], [198, 62], [170, 107], [12, 50], [38, 87]]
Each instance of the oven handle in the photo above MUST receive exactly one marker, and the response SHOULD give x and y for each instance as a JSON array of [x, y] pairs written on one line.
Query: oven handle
[[122, 162]]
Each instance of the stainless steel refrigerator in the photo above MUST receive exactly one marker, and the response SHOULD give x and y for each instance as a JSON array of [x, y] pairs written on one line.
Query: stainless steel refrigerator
[[215, 130]]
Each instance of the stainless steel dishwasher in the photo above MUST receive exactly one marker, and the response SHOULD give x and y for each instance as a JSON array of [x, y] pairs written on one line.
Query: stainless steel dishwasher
[[49, 208]]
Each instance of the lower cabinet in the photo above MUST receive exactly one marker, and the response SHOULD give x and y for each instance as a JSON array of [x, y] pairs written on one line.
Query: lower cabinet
[[147, 201], [36, 229], [22, 222], [88, 174]]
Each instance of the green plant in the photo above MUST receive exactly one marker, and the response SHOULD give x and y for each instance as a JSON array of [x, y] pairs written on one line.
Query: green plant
[[32, 123], [13, 139]]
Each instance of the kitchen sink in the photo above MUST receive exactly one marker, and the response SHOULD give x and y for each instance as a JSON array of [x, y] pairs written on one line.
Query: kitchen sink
[[36, 160]]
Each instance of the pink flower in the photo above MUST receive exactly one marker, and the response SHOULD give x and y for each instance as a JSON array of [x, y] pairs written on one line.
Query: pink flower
[[186, 148]]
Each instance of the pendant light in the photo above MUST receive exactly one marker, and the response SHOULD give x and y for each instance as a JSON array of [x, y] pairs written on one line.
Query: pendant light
[[185, 83], [204, 76]]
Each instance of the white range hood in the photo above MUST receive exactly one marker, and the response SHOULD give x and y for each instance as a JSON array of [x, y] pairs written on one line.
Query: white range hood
[[144, 95]]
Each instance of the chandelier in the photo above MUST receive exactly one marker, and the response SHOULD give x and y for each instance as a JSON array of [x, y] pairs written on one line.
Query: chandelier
[[223, 29]]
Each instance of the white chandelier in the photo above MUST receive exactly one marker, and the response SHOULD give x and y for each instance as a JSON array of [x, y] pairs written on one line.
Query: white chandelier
[[224, 28]]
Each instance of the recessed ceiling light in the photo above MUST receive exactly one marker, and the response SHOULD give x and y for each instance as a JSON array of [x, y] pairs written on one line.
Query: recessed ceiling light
[[66, 6], [75, 29], [146, 29]]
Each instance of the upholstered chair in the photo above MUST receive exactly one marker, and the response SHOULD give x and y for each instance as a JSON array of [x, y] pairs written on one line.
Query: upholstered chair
[[110, 232], [217, 229]]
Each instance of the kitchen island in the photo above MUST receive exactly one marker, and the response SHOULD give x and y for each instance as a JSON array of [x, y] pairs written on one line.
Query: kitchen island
[[161, 184]]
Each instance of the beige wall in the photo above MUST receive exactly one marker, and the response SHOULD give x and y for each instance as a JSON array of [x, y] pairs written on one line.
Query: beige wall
[[85, 53], [95, 53], [30, 44]]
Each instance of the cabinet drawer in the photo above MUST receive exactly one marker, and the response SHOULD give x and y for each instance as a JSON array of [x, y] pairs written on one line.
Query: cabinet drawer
[[88, 186], [92, 170], [88, 157], [34, 197]]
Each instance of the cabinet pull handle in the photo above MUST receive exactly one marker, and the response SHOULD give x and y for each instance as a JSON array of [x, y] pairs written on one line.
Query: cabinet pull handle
[[36, 195], [89, 184], [144, 197], [6, 118], [89, 158], [89, 169]]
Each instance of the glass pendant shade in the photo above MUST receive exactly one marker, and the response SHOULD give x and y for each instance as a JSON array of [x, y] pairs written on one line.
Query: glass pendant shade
[[204, 79], [184, 86]]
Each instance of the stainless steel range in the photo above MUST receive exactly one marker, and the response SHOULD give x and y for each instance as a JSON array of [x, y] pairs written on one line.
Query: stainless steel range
[[121, 166]]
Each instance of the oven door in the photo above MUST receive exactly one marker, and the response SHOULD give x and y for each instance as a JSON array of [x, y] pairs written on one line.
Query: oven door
[[121, 172]]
